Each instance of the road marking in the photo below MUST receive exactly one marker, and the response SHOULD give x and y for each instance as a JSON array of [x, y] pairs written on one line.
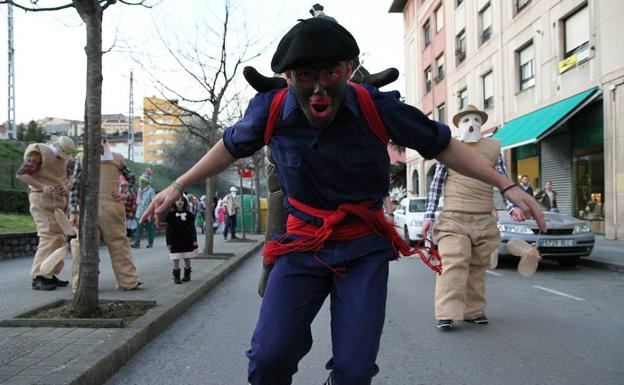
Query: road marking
[[493, 273], [559, 293]]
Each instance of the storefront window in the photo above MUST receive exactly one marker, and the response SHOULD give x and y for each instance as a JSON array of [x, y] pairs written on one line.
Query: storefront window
[[588, 166]]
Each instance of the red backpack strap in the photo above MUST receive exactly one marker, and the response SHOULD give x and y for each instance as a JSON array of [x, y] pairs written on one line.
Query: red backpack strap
[[274, 113], [370, 113]]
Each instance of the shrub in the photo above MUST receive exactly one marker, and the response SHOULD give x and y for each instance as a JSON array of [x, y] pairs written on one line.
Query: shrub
[[14, 201]]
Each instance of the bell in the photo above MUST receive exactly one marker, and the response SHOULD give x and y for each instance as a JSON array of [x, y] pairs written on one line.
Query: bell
[[49, 264], [529, 256], [63, 222]]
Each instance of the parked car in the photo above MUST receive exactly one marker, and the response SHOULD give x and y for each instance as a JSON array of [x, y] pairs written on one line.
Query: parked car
[[566, 239], [409, 216]]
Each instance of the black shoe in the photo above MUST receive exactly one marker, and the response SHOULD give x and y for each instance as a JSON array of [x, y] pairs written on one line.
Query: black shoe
[[136, 287], [176, 276], [59, 282], [445, 324], [233, 237], [135, 245], [187, 274], [150, 245], [42, 283], [480, 320]]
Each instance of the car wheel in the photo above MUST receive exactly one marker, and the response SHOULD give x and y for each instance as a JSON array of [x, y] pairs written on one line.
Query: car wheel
[[406, 236], [570, 262]]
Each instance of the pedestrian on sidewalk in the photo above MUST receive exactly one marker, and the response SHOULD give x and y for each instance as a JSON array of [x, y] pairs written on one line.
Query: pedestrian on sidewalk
[[45, 172], [144, 198], [332, 164], [220, 217], [547, 197], [129, 204], [231, 206], [181, 238]]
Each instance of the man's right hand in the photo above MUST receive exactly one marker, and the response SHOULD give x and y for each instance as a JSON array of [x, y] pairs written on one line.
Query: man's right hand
[[427, 226], [160, 203], [73, 218]]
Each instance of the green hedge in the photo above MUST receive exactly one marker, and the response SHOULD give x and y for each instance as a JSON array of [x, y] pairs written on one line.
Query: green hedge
[[14, 201]]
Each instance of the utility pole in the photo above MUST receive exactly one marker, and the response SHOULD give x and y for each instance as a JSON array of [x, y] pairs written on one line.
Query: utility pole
[[11, 83], [131, 123]]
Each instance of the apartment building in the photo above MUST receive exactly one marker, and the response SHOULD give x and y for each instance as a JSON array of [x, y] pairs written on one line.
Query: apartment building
[[160, 124], [549, 73]]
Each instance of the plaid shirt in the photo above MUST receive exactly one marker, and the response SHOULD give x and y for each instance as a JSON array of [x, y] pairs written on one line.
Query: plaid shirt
[[435, 190], [75, 187]]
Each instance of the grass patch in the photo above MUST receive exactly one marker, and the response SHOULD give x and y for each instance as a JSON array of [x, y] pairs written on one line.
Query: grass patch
[[16, 223]]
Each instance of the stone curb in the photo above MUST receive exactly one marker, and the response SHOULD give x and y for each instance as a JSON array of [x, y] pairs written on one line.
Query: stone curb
[[100, 364], [599, 264]]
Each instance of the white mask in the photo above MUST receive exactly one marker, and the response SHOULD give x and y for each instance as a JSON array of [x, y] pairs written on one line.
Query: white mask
[[470, 128], [233, 194]]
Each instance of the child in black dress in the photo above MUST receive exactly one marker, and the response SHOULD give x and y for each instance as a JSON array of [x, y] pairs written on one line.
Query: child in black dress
[[181, 238]]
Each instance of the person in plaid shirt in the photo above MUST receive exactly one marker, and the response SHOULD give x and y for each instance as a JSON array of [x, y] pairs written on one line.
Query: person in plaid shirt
[[129, 204]]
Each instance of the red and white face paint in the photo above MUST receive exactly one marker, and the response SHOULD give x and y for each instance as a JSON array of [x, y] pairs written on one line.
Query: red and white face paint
[[320, 91]]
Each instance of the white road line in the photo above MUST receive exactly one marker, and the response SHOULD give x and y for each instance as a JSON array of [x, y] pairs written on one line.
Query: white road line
[[559, 293], [493, 273]]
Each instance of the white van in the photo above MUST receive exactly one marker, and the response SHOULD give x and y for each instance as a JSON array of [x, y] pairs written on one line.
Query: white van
[[409, 216]]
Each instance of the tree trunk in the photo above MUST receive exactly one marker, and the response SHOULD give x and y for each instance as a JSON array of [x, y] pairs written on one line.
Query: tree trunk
[[209, 244], [86, 297], [257, 159]]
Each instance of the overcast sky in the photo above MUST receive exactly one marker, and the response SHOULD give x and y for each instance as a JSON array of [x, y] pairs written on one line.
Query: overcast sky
[[50, 62]]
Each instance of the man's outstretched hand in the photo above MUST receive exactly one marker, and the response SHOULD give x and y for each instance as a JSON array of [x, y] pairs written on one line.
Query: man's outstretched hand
[[529, 206], [160, 203]]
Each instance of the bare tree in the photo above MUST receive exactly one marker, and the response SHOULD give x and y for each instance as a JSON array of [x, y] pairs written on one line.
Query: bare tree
[[91, 12], [213, 75]]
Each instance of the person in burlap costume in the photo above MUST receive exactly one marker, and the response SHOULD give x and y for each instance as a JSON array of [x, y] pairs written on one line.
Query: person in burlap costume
[[111, 217], [45, 172], [466, 230]]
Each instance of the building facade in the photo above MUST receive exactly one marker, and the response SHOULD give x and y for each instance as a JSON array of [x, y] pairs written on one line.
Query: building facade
[[549, 73], [161, 122]]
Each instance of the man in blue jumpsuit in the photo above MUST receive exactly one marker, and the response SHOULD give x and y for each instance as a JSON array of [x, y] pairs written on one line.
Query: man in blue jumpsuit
[[330, 164]]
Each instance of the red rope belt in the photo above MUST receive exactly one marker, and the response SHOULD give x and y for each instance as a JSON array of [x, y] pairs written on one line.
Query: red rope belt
[[313, 238]]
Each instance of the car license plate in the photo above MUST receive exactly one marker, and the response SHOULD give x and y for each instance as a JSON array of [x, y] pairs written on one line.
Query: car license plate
[[556, 242]]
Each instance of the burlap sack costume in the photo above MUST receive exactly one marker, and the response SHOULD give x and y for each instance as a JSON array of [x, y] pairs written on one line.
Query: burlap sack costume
[[467, 235], [112, 227]]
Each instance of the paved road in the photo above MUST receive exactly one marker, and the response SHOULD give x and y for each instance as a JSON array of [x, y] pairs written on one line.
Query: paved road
[[559, 327]]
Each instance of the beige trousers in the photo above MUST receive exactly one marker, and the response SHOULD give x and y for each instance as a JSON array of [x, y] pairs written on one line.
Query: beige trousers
[[51, 237], [112, 229], [465, 243]]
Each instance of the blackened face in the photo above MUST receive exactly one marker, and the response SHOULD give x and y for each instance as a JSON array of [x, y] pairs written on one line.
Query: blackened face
[[320, 91]]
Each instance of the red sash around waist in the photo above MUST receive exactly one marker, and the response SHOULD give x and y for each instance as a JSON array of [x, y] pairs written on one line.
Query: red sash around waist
[[313, 238]]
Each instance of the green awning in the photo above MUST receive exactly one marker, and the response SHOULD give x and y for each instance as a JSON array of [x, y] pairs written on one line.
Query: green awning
[[532, 127]]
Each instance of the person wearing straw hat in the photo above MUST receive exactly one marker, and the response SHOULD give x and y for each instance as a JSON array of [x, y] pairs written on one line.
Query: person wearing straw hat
[[111, 216], [45, 172], [328, 138], [466, 230], [231, 206]]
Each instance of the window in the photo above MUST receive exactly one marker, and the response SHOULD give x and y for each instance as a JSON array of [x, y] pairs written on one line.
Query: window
[[460, 47], [427, 33], [459, 2], [439, 63], [526, 61], [576, 33], [488, 90], [485, 19], [439, 18], [441, 113], [428, 78], [520, 4], [462, 99], [430, 116]]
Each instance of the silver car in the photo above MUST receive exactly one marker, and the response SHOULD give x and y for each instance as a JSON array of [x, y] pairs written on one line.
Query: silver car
[[566, 240]]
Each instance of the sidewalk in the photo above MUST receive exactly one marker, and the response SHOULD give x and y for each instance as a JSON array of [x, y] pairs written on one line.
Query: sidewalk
[[55, 356], [606, 255]]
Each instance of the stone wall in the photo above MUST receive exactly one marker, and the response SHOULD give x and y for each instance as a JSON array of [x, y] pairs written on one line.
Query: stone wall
[[18, 245]]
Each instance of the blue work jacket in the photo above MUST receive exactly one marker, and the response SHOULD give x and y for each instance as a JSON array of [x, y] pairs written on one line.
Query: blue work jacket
[[342, 163]]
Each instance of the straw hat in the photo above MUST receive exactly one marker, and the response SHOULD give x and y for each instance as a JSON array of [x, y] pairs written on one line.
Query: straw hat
[[233, 189], [64, 145], [470, 109]]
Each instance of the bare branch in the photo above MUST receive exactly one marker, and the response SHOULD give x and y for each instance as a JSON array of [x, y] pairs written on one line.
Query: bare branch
[[31, 9], [142, 3]]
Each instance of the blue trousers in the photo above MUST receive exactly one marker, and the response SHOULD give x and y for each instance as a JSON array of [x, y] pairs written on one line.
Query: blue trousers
[[295, 292], [230, 225]]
